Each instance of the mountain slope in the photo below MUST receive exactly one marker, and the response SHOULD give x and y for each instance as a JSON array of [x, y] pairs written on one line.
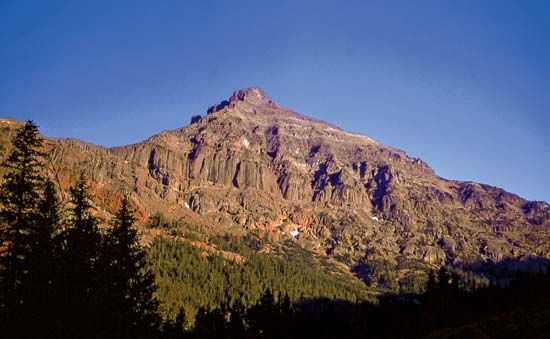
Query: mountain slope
[[254, 165]]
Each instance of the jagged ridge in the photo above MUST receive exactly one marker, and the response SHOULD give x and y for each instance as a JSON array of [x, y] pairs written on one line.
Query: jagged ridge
[[252, 163]]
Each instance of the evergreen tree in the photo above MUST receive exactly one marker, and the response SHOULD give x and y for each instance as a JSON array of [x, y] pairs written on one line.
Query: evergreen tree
[[81, 274], [236, 324], [43, 241], [42, 283], [210, 324], [175, 328], [443, 278], [262, 316], [19, 195], [83, 236], [130, 283]]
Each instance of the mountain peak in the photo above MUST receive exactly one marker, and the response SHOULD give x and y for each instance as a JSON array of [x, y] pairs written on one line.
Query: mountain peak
[[254, 96], [255, 166]]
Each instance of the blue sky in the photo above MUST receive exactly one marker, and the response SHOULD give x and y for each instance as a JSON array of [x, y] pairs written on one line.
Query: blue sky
[[465, 85]]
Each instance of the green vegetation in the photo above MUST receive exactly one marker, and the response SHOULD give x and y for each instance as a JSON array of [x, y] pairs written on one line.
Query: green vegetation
[[189, 277], [444, 310]]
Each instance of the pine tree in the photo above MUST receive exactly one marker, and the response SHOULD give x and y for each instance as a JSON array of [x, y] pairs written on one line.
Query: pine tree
[[42, 284], [261, 316], [443, 278], [236, 326], [19, 195], [175, 328], [83, 236], [43, 241], [130, 283], [81, 274]]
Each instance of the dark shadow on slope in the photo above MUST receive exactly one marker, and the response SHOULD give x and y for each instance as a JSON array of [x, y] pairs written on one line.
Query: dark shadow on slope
[[443, 311]]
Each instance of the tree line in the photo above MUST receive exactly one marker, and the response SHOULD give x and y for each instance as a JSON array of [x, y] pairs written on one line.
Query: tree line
[[517, 310]]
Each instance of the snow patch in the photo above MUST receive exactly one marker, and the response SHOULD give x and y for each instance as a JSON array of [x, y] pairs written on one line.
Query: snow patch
[[186, 205], [361, 136], [375, 219], [246, 143], [365, 137], [294, 233], [335, 132]]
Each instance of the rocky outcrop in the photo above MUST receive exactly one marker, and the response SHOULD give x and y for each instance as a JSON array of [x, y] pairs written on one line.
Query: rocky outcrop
[[253, 164]]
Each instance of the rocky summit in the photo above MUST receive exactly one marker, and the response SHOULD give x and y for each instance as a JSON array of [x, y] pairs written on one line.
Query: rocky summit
[[252, 165]]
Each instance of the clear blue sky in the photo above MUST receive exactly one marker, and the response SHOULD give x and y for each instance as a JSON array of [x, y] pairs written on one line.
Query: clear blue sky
[[465, 85]]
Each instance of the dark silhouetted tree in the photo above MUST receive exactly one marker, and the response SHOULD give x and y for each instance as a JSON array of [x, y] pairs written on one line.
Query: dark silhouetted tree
[[19, 196], [443, 278], [81, 274], [210, 324], [41, 284], [432, 283], [262, 316], [175, 328], [236, 324], [129, 282]]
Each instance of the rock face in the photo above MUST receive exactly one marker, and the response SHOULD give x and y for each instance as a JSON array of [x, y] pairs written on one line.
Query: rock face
[[252, 163]]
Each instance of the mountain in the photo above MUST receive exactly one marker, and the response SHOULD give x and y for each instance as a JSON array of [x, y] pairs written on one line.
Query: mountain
[[252, 166]]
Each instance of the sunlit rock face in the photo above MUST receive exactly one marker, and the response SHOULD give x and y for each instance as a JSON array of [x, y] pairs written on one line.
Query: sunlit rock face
[[254, 164]]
